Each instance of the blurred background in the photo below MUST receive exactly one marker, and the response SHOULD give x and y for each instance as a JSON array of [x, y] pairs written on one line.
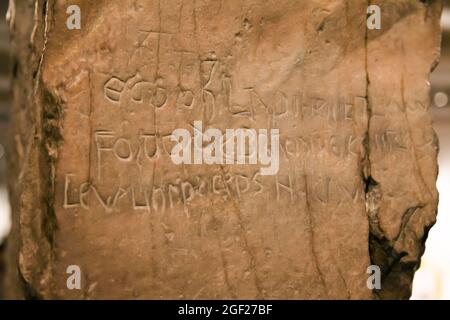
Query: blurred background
[[4, 104], [432, 281]]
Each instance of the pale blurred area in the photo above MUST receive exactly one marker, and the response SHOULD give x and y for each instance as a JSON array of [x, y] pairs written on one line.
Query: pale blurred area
[[432, 281]]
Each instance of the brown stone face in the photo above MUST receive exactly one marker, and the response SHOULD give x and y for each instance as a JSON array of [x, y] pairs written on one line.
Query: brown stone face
[[95, 184]]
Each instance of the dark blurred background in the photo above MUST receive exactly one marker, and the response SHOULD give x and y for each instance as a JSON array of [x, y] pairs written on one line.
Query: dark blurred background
[[4, 87], [432, 281]]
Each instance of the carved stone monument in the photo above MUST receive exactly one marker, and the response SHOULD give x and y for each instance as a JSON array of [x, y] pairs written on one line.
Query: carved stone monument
[[345, 108]]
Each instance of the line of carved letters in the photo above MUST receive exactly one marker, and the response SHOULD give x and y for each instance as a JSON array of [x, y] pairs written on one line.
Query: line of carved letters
[[151, 146], [212, 102], [169, 195]]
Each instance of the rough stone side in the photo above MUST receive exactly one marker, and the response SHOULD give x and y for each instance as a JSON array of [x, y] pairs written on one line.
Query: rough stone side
[[356, 184], [29, 244], [402, 183]]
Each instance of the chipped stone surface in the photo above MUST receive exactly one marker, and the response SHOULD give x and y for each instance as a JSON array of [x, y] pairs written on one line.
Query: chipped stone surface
[[93, 184]]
